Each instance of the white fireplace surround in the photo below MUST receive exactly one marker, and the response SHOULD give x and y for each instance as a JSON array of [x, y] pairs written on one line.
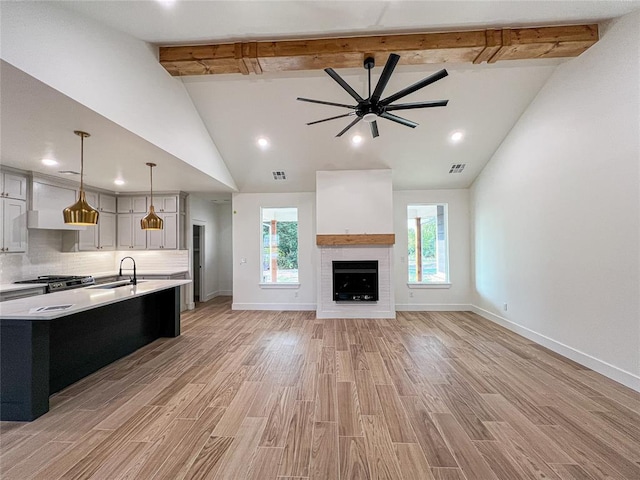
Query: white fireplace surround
[[328, 308]]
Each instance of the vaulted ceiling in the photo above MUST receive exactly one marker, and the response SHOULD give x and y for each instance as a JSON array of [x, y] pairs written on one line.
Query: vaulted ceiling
[[485, 100]]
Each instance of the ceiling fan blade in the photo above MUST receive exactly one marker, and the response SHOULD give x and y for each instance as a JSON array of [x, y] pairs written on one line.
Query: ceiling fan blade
[[349, 126], [400, 120], [408, 106], [416, 86], [322, 102], [374, 129], [392, 61], [332, 73], [332, 118]]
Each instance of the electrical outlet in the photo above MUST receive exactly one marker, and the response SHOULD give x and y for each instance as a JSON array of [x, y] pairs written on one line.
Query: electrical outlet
[[295, 295], [410, 294], [504, 307]]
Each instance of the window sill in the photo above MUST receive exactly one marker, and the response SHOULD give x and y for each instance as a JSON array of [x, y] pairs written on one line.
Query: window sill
[[429, 285], [279, 285]]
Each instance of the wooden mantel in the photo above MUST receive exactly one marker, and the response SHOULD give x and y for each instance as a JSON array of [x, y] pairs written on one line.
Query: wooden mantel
[[476, 46], [356, 239]]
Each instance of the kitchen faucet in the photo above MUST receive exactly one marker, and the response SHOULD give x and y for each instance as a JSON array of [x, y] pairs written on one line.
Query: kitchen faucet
[[134, 280]]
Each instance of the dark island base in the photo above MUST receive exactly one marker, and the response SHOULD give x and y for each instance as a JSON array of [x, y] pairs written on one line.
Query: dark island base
[[41, 357]]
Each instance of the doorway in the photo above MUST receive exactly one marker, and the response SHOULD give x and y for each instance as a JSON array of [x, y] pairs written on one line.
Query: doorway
[[198, 262]]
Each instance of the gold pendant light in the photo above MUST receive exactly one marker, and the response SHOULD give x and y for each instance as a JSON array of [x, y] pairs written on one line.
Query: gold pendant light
[[81, 213], [151, 221]]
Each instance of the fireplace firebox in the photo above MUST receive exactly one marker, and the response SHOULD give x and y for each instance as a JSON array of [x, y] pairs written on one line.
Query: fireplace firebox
[[355, 281]]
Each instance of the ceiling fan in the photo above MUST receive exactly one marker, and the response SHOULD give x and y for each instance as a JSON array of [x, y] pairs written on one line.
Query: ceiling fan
[[371, 108]]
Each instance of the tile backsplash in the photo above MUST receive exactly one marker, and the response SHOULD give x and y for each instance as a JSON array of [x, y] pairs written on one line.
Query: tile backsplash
[[44, 257]]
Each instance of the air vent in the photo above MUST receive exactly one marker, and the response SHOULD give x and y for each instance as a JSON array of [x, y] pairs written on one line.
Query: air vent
[[457, 167], [68, 172], [279, 176]]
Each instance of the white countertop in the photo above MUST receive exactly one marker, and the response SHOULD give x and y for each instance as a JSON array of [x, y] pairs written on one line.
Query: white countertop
[[14, 287], [80, 299]]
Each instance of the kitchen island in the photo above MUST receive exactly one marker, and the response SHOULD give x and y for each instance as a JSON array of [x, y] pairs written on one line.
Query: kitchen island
[[48, 342]]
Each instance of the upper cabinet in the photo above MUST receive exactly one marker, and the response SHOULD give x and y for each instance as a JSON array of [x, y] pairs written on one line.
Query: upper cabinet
[[13, 212], [137, 204], [13, 186], [171, 208], [168, 204], [102, 202]]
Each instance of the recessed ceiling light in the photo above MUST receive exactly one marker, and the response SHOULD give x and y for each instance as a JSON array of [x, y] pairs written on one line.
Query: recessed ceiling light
[[456, 136], [166, 3], [356, 139], [49, 162], [118, 181], [263, 142]]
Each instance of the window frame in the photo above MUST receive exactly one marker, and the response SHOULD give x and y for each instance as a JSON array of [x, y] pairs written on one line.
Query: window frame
[[277, 284], [446, 283]]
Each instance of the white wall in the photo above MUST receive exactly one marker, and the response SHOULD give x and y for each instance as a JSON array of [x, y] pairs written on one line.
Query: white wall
[[225, 249], [354, 202], [247, 233], [457, 296], [217, 263], [556, 212], [44, 256], [94, 65]]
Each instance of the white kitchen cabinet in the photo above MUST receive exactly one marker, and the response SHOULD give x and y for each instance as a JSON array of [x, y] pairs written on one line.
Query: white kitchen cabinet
[[100, 237], [164, 203], [136, 204], [13, 186], [130, 234], [101, 201], [92, 198], [107, 231], [13, 212], [167, 238], [14, 225], [107, 203]]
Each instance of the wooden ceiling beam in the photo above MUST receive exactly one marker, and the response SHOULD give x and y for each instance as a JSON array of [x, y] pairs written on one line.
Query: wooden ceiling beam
[[477, 46]]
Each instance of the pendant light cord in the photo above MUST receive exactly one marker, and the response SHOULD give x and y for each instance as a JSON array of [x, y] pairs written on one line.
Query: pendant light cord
[[81, 162], [151, 177]]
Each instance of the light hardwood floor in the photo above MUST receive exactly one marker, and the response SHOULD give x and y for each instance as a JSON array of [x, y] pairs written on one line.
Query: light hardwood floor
[[267, 395]]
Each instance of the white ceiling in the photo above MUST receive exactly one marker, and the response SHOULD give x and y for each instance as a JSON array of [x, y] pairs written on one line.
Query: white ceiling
[[485, 100], [178, 21], [38, 122]]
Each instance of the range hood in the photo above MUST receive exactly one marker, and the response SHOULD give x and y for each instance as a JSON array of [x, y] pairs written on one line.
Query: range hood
[[49, 198], [49, 220]]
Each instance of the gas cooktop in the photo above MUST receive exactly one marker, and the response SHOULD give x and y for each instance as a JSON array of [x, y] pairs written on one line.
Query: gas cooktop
[[56, 283]]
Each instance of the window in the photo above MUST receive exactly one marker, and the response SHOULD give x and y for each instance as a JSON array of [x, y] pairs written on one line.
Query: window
[[279, 245], [427, 257]]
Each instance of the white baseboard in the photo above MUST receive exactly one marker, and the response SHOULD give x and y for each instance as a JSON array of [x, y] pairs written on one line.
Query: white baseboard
[[621, 376], [273, 306], [433, 307], [218, 293], [360, 314]]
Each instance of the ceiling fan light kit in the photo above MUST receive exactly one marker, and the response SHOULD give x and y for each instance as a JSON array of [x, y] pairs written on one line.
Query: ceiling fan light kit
[[371, 108]]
